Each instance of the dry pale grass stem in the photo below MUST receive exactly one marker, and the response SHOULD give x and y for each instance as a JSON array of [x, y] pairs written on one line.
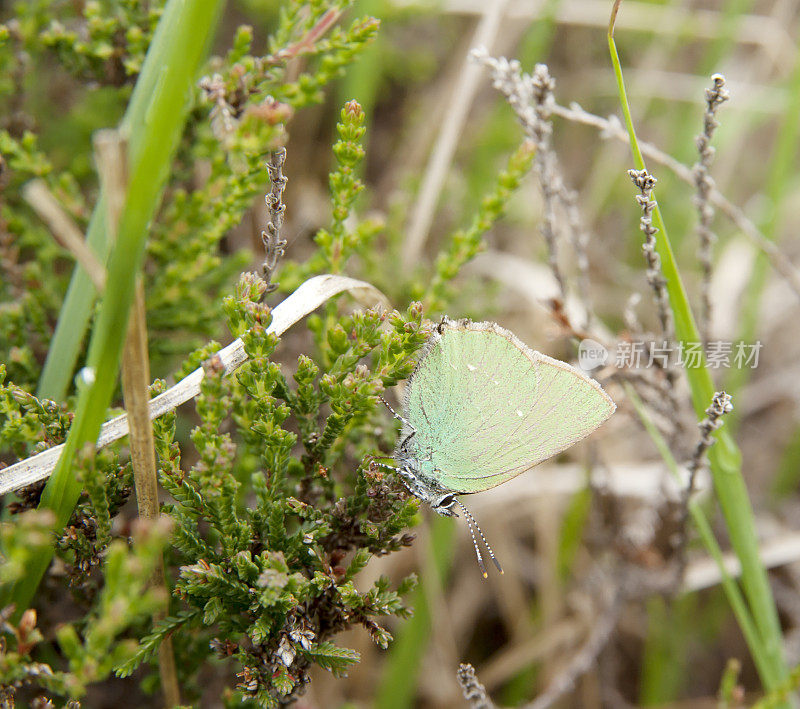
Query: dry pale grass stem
[[579, 236], [704, 183], [452, 125], [585, 658], [474, 692], [531, 98], [64, 230], [307, 298], [629, 315], [271, 236]]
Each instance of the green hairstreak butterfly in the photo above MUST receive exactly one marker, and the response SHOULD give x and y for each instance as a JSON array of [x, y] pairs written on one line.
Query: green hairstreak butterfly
[[480, 408]]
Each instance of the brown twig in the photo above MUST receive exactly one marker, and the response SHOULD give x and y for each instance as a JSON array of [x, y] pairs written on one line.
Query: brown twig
[[306, 43], [583, 660], [111, 154]]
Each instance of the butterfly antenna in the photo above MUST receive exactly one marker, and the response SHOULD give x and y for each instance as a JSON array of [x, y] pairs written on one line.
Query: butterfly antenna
[[470, 522]]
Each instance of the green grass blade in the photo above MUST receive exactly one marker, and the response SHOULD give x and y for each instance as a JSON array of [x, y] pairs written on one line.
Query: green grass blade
[[136, 126], [74, 316], [743, 616], [178, 49], [724, 457]]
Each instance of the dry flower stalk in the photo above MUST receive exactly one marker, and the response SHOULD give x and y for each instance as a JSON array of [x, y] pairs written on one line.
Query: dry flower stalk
[[704, 184], [645, 182], [720, 405], [271, 236], [474, 692], [531, 98]]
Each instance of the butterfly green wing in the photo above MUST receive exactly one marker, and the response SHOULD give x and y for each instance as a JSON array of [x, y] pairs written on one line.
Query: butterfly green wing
[[486, 407]]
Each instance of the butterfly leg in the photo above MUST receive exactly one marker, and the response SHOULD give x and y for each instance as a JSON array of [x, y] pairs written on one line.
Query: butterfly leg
[[406, 423], [371, 460], [394, 413]]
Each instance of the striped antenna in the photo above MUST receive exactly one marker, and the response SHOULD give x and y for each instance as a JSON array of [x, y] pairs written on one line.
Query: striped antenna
[[470, 522]]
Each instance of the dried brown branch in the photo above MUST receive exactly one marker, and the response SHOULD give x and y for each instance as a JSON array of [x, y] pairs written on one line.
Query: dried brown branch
[[604, 624], [111, 155]]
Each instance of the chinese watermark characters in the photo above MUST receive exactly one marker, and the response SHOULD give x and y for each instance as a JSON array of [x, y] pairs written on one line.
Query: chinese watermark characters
[[718, 354]]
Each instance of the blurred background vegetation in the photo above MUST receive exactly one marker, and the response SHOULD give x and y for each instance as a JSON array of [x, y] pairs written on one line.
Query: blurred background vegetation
[[406, 169]]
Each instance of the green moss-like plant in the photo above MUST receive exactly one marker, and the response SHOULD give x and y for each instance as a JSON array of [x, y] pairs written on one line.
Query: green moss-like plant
[[274, 508]]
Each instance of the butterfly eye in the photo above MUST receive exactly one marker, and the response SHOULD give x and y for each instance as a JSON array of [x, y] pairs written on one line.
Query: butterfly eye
[[447, 501]]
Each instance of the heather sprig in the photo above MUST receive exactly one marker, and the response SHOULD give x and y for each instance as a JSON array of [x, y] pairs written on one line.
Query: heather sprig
[[345, 237], [28, 424], [94, 649], [107, 47], [464, 244], [269, 580]]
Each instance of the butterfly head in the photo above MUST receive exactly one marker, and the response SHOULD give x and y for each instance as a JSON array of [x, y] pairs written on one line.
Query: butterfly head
[[445, 503], [425, 488]]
